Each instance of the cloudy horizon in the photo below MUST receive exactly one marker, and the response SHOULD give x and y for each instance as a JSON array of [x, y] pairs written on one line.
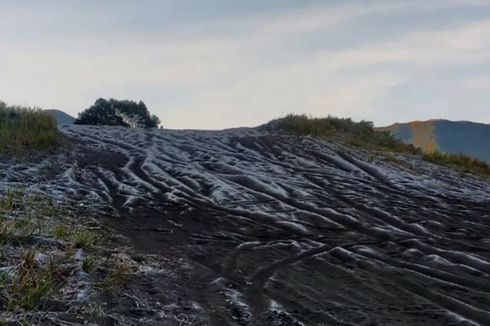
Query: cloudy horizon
[[218, 64]]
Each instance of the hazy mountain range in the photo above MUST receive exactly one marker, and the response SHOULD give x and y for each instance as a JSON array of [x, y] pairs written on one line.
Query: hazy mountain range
[[464, 137], [61, 117]]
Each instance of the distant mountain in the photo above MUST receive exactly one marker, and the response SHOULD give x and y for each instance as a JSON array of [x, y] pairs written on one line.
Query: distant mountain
[[61, 117], [469, 138]]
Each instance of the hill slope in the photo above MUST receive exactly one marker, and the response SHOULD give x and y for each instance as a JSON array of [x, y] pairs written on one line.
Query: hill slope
[[456, 137], [61, 117], [245, 227]]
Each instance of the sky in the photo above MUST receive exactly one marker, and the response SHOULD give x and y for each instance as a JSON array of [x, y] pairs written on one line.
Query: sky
[[213, 64]]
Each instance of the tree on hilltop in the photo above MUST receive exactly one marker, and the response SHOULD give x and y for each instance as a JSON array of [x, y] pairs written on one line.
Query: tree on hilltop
[[118, 113]]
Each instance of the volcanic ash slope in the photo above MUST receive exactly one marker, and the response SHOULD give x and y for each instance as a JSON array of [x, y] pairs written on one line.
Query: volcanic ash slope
[[277, 230]]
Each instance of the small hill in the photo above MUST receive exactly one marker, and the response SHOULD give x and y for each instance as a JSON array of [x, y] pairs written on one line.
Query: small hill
[[360, 134], [61, 117], [303, 221], [454, 137]]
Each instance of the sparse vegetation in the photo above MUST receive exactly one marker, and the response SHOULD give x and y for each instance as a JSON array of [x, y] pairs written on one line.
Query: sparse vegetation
[[60, 232], [31, 282], [359, 134], [43, 247], [88, 264], [29, 278], [84, 239], [362, 134], [24, 129], [119, 268], [462, 162]]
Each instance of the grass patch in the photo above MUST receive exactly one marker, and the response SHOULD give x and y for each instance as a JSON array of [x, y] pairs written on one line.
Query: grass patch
[[60, 232], [118, 271], [43, 247], [88, 264], [25, 281], [461, 162], [359, 134], [84, 239], [31, 282], [26, 129]]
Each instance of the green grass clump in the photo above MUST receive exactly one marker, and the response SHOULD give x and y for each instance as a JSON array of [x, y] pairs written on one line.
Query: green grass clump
[[359, 134], [24, 129], [118, 272], [31, 283], [84, 239], [462, 162], [60, 232], [88, 264]]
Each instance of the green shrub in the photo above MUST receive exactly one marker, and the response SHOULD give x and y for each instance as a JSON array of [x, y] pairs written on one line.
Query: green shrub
[[26, 129]]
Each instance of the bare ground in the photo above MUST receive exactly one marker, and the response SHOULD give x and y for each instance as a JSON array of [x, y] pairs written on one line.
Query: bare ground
[[244, 228]]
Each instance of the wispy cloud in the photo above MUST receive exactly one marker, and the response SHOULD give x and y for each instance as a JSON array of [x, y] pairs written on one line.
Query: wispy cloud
[[245, 69]]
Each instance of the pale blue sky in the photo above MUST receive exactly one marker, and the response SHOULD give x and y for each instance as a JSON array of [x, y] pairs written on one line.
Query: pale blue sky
[[210, 64]]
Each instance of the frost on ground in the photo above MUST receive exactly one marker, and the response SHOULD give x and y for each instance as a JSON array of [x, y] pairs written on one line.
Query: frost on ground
[[53, 264], [242, 227]]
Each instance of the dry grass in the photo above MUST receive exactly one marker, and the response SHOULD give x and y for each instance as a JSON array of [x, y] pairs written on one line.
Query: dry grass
[[25, 129], [359, 134]]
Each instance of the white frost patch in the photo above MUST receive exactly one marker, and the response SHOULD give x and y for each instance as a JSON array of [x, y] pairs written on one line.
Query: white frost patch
[[367, 250], [146, 269], [277, 308], [460, 319], [239, 309], [82, 295], [293, 225], [436, 259], [41, 258]]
